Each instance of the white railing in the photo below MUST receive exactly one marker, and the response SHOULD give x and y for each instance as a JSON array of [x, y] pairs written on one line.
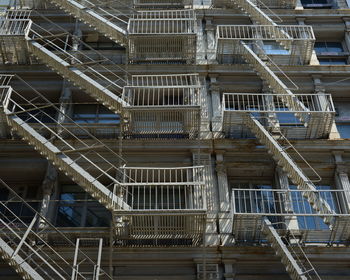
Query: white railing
[[163, 91], [87, 151], [173, 80], [175, 22], [27, 238], [278, 202], [164, 189], [262, 4], [93, 64], [163, 106], [101, 131], [162, 3], [276, 103], [163, 36], [265, 32], [114, 11]]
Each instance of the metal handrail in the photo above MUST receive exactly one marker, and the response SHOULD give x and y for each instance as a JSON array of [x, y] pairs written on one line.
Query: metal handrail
[[250, 102], [48, 226], [264, 32], [296, 255], [286, 202]]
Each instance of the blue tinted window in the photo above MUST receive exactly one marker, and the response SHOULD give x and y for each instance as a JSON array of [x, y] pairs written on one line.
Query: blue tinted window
[[335, 47], [344, 130], [301, 205]]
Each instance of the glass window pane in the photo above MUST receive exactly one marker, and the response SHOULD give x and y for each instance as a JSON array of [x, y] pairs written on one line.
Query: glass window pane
[[334, 47], [344, 130]]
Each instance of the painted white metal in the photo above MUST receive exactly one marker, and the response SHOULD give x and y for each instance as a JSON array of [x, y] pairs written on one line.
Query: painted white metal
[[108, 18], [86, 70], [162, 4], [259, 17], [318, 124], [294, 258], [165, 202], [163, 106], [276, 85], [278, 202], [262, 4], [17, 262], [13, 27], [296, 175], [90, 272], [176, 197], [27, 249], [299, 45], [168, 35], [56, 147]]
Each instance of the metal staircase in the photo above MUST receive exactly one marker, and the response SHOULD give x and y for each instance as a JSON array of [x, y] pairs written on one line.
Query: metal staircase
[[292, 256], [92, 72], [262, 4], [296, 175], [109, 18], [274, 83], [260, 17], [26, 248], [77, 159]]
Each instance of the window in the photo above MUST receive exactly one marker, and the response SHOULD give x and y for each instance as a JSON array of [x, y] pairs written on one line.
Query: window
[[78, 209], [344, 130], [301, 205], [287, 119], [274, 48], [342, 118], [333, 61], [327, 47], [44, 115], [92, 114], [317, 4], [331, 53], [15, 207]]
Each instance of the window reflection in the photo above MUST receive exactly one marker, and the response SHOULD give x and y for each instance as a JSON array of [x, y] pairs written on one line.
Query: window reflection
[[78, 209], [301, 205]]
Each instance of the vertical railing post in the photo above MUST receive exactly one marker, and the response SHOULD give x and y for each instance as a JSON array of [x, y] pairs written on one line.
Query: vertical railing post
[[29, 229], [75, 261]]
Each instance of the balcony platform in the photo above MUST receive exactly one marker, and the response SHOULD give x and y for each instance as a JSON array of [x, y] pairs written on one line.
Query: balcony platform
[[13, 29], [169, 35], [163, 106], [293, 48], [166, 203], [319, 114], [282, 207]]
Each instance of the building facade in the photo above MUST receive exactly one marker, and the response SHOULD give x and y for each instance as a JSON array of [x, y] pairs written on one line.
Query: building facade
[[175, 139]]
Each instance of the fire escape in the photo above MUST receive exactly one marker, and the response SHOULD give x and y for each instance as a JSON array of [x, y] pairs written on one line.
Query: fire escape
[[262, 115], [29, 251], [149, 205]]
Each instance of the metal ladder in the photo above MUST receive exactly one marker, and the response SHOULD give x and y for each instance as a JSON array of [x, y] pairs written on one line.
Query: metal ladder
[[25, 247], [284, 160], [99, 14], [78, 160], [292, 256]]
